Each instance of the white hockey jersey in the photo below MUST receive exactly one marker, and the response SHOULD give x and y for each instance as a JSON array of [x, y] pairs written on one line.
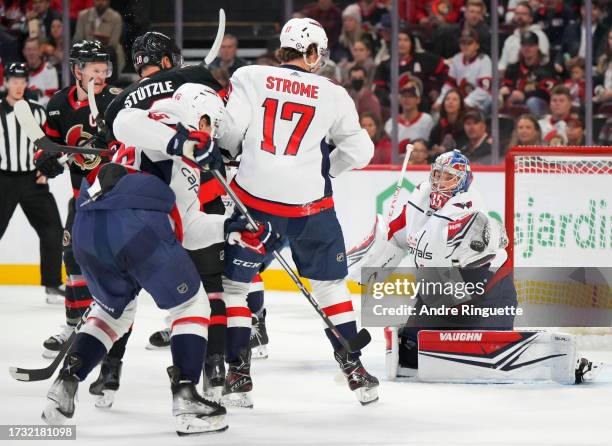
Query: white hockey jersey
[[44, 80], [472, 78], [409, 131], [554, 133], [285, 120], [147, 132], [429, 236]]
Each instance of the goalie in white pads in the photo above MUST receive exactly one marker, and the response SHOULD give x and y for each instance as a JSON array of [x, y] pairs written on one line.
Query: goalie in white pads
[[445, 226]]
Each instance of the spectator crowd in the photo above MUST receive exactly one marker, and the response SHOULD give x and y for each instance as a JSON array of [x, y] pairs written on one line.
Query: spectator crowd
[[445, 70], [444, 49]]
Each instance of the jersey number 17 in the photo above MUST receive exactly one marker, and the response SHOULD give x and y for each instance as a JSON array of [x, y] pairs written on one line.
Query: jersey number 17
[[288, 110]]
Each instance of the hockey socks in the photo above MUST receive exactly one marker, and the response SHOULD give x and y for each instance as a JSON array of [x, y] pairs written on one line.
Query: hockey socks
[[188, 352], [89, 350]]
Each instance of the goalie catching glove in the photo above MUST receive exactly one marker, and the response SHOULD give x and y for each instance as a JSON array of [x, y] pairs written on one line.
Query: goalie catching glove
[[484, 238], [196, 146]]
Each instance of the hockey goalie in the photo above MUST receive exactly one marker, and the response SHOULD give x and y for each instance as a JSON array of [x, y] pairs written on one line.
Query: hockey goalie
[[444, 234]]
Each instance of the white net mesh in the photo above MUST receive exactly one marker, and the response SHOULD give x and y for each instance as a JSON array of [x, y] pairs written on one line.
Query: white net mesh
[[563, 218]]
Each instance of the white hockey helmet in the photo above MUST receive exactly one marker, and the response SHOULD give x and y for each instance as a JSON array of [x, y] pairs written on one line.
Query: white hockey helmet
[[197, 100], [299, 34]]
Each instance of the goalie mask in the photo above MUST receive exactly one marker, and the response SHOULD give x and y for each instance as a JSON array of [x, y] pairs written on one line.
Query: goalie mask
[[197, 101], [450, 175]]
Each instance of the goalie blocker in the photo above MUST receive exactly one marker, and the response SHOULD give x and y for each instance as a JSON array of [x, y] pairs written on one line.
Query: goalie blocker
[[478, 356]]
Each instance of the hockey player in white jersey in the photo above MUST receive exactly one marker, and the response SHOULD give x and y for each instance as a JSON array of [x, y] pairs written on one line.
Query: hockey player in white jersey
[[130, 257], [443, 225], [295, 130]]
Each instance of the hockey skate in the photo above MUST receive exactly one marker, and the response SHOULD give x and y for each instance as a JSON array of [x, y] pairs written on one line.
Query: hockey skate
[[107, 384], [213, 377], [193, 414], [364, 385], [54, 344], [238, 382], [61, 395], [587, 371], [160, 340], [55, 294], [259, 338]]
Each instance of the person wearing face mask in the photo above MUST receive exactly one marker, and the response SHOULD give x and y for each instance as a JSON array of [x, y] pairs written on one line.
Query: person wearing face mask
[[361, 92]]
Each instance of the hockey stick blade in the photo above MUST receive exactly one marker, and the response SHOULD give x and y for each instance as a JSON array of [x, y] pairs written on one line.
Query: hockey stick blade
[[214, 49], [358, 342], [30, 375], [32, 129]]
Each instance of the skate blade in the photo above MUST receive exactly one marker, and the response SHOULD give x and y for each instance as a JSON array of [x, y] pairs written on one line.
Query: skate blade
[[155, 347], [194, 425], [214, 393], [366, 395], [237, 399], [52, 416], [49, 354], [106, 400], [259, 352]]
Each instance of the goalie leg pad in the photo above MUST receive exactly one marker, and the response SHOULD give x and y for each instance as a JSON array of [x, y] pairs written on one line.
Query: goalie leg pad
[[496, 356]]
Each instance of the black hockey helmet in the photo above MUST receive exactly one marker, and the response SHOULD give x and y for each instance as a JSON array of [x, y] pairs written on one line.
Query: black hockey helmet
[[16, 69], [150, 49], [85, 51]]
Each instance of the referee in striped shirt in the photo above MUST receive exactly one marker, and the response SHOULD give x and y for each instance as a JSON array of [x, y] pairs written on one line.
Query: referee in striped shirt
[[21, 183]]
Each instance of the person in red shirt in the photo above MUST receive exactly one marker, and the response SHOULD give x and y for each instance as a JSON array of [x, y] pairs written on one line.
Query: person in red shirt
[[328, 15], [434, 12]]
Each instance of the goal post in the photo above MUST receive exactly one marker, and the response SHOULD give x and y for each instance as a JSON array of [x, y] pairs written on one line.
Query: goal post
[[558, 216]]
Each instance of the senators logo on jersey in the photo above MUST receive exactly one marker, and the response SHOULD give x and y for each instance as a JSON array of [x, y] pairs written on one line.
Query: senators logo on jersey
[[69, 122]]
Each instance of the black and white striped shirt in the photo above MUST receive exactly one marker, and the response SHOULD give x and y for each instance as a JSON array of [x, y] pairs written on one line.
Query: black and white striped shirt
[[16, 150]]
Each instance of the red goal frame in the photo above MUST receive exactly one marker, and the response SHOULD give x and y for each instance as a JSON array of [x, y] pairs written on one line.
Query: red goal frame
[[566, 151]]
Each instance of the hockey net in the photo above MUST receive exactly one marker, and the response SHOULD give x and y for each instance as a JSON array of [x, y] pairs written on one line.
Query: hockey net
[[559, 223]]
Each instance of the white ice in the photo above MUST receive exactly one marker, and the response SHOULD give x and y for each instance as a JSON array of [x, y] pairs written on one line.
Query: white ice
[[297, 398]]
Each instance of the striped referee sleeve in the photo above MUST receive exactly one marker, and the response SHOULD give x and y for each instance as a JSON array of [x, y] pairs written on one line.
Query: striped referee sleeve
[[16, 150]]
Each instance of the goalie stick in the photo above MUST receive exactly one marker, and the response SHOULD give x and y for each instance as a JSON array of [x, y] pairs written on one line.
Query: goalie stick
[[28, 123], [29, 375], [352, 345]]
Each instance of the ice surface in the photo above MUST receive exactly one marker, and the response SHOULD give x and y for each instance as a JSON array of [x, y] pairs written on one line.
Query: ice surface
[[297, 398]]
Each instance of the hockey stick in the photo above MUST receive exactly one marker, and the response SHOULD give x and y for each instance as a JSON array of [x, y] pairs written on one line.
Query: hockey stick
[[29, 375], [28, 123], [356, 253], [400, 180], [352, 345], [93, 107], [214, 49]]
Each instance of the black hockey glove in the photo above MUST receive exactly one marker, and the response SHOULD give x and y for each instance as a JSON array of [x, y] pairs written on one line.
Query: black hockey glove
[[48, 164]]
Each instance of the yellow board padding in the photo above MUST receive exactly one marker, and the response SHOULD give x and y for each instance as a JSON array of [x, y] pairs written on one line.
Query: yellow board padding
[[276, 280], [22, 274]]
